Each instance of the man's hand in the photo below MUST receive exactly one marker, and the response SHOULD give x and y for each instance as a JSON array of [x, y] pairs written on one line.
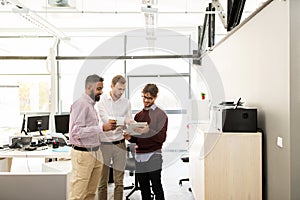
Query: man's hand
[[127, 136], [109, 126]]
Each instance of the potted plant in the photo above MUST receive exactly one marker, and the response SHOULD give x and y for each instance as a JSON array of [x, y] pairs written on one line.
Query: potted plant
[[202, 95]]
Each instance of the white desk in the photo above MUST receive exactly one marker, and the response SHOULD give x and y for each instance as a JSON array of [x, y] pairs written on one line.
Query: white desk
[[45, 153]]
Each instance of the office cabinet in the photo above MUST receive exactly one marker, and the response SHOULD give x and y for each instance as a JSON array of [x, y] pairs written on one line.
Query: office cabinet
[[226, 166]]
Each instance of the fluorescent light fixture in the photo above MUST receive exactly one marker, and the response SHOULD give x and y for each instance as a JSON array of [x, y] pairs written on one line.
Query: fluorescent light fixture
[[149, 10], [38, 21], [59, 3], [150, 15]]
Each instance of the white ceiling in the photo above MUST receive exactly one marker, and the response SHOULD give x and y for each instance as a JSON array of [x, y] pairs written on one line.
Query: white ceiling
[[87, 15]]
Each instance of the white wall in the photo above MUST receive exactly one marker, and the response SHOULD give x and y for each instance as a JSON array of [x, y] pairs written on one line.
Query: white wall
[[254, 64]]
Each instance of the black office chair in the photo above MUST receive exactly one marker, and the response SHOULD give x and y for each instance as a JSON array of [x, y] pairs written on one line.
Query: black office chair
[[185, 159], [130, 166]]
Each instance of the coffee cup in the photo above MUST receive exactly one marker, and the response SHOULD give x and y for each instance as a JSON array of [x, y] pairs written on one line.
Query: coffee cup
[[113, 122]]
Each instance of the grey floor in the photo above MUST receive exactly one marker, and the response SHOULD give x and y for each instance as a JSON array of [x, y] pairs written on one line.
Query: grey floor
[[170, 179]]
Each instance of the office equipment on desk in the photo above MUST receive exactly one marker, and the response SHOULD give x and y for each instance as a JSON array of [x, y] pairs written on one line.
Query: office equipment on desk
[[37, 124], [62, 126], [239, 120], [19, 141], [228, 117], [62, 123], [23, 126], [60, 138]]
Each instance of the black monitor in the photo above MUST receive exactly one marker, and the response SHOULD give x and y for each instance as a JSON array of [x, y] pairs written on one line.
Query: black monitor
[[62, 123], [38, 123]]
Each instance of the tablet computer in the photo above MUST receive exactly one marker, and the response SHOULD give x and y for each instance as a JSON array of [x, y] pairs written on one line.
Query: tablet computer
[[132, 126]]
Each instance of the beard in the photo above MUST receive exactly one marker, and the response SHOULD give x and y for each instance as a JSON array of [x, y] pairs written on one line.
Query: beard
[[148, 105], [95, 98]]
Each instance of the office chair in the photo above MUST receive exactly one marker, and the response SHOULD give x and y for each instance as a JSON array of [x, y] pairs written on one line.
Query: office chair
[[130, 166], [185, 159]]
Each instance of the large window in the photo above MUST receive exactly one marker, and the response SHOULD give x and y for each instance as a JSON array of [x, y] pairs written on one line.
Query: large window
[[33, 79], [27, 82]]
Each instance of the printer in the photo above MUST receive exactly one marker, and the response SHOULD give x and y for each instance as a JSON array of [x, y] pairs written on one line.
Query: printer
[[231, 118]]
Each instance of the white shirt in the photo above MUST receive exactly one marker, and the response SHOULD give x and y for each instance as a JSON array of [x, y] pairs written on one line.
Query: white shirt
[[119, 109]]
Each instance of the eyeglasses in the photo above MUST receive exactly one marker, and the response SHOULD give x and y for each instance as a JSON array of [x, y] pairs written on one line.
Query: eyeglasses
[[148, 98]]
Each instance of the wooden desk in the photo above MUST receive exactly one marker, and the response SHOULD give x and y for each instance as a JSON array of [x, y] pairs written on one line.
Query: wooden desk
[[226, 166]]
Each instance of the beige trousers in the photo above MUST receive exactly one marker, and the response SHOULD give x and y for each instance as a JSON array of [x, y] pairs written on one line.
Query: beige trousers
[[115, 155], [85, 176]]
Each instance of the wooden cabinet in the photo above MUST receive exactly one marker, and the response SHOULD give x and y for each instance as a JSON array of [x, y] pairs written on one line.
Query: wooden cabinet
[[226, 166]]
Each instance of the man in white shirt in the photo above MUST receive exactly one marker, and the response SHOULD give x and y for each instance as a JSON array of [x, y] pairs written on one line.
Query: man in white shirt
[[114, 106]]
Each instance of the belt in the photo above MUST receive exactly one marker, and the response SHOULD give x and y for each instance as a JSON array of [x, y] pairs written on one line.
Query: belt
[[114, 142], [85, 148]]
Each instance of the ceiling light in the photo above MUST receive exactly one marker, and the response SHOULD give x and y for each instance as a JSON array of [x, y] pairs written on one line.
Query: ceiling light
[[37, 20], [150, 15], [59, 3]]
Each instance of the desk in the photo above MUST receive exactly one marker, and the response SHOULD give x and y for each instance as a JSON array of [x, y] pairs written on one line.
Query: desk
[[39, 153]]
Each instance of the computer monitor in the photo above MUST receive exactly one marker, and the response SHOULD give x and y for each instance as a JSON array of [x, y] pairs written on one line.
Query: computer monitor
[[62, 123], [38, 123]]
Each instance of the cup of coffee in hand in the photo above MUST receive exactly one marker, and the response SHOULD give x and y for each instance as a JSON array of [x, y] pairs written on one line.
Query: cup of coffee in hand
[[113, 122]]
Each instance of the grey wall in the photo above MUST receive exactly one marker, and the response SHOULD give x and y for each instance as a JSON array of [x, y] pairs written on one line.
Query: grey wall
[[254, 64], [295, 97]]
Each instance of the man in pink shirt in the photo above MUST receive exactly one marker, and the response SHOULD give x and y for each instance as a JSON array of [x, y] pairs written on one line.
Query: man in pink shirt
[[85, 139]]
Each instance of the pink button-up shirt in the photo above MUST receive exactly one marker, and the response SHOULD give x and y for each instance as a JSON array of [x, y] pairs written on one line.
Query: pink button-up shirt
[[84, 128]]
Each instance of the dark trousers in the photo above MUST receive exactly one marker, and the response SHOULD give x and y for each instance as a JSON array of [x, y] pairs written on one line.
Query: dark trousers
[[150, 172]]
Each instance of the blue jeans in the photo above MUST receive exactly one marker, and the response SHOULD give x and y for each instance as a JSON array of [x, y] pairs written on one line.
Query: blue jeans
[[147, 172]]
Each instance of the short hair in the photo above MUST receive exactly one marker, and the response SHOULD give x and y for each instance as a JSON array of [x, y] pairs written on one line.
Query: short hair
[[150, 88], [118, 79], [93, 79]]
